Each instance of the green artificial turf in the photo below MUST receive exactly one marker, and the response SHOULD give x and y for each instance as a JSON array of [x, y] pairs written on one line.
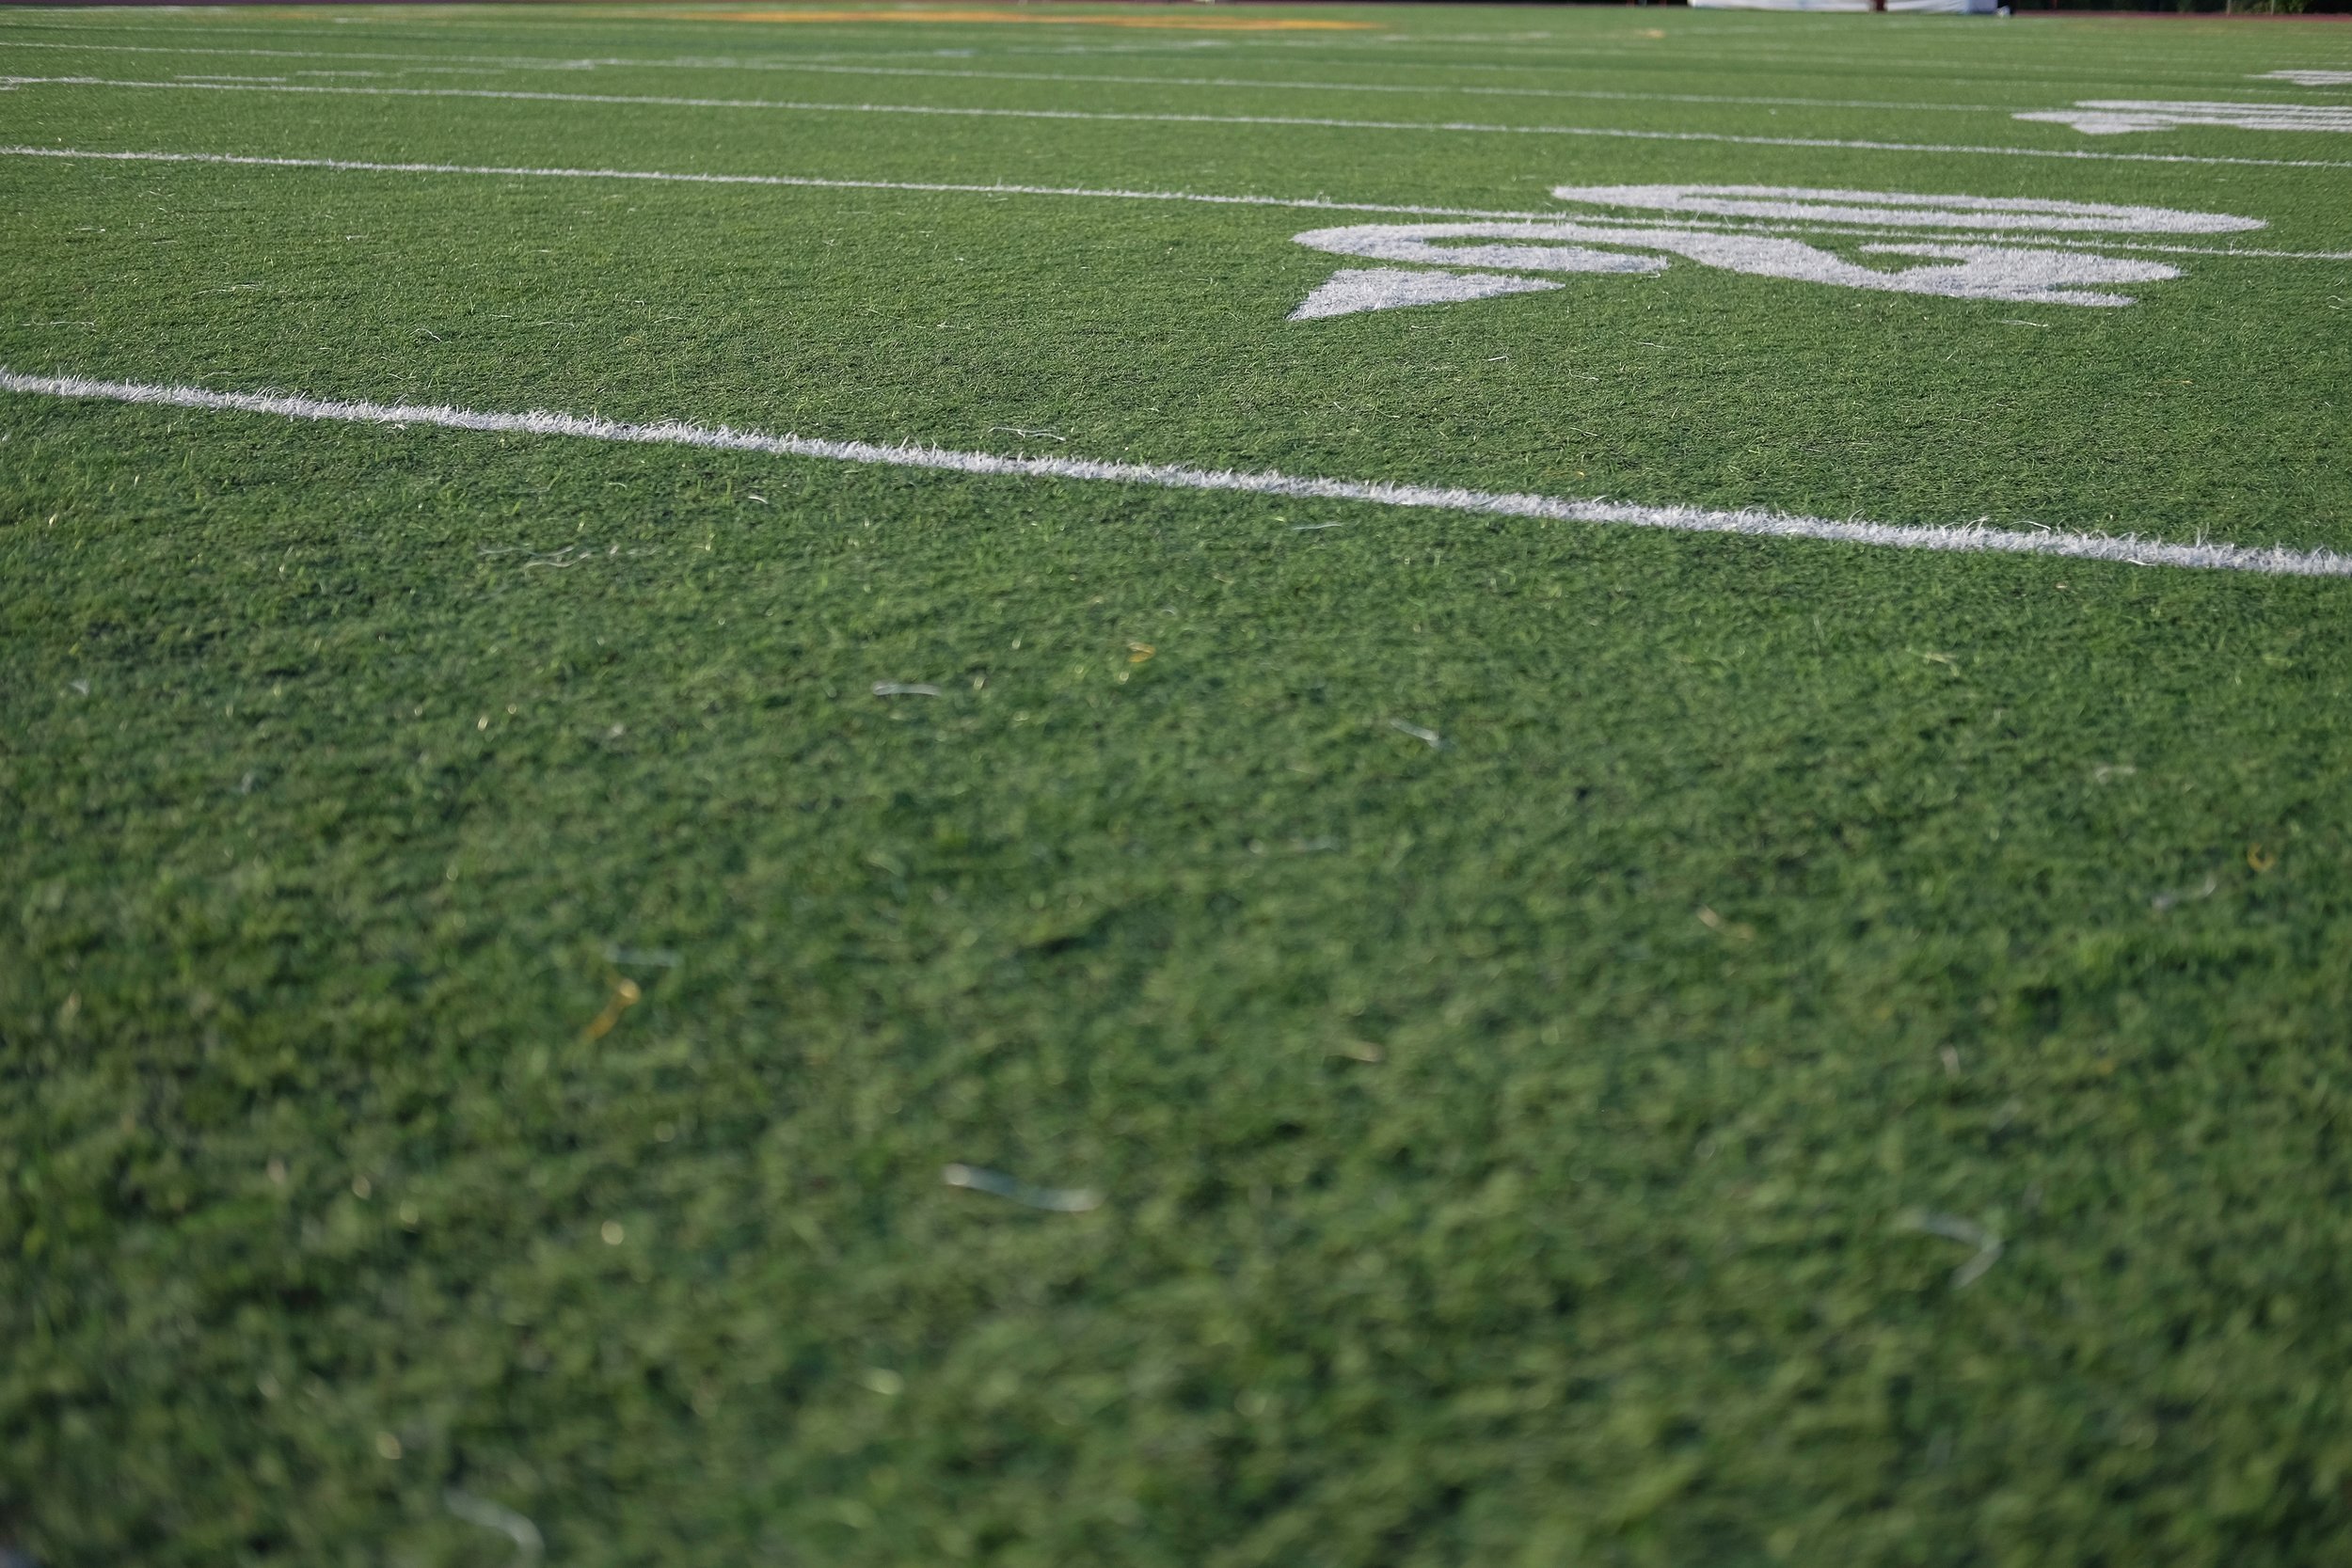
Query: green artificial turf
[[1582, 1140]]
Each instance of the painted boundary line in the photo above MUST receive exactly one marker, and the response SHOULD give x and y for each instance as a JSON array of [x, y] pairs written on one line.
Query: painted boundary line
[[1967, 538], [722, 62], [801, 181], [1745, 49], [1094, 115], [1316, 204]]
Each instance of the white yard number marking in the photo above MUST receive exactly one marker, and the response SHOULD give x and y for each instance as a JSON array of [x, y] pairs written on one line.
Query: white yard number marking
[[1973, 247], [2115, 116]]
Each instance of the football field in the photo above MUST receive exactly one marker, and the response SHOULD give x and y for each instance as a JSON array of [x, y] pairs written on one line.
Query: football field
[[1181, 786]]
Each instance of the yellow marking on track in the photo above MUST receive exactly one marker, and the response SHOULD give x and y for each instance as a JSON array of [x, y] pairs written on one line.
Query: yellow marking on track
[[1186, 23]]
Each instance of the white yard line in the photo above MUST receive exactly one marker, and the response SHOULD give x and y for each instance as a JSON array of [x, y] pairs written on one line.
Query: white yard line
[[828, 67], [1319, 204], [1294, 86], [1963, 538], [2104, 63], [1739, 47], [1094, 115], [2102, 73], [386, 57], [1312, 203]]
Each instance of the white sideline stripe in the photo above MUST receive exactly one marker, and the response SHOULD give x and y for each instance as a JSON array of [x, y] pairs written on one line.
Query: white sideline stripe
[[1746, 55], [722, 62], [1965, 538], [1449, 90], [1104, 115], [382, 56], [1317, 204], [1744, 52]]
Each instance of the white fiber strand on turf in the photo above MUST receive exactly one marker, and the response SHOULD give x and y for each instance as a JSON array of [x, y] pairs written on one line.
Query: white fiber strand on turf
[[2309, 78], [1119, 117], [1965, 538], [1316, 204]]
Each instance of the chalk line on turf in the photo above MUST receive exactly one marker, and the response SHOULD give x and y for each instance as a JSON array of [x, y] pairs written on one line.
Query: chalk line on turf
[[1104, 116], [1319, 204], [1968, 538], [824, 67], [834, 64]]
